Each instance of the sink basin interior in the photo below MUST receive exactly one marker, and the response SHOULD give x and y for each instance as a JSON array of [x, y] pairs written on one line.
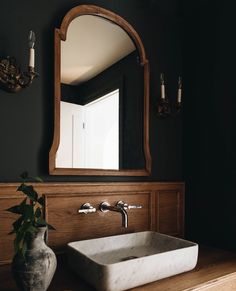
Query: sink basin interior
[[114, 249], [125, 261]]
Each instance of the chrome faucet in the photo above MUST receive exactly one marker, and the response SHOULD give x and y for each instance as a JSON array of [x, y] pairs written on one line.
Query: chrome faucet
[[87, 208], [104, 207], [119, 207]]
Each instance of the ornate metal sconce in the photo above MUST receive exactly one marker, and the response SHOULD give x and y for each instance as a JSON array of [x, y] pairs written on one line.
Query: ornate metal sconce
[[166, 108], [11, 78]]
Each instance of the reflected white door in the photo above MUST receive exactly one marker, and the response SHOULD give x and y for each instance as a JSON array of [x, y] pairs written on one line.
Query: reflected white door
[[90, 134], [71, 148], [102, 132]]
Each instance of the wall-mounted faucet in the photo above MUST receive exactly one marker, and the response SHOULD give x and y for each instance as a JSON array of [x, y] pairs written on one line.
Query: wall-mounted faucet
[[120, 207]]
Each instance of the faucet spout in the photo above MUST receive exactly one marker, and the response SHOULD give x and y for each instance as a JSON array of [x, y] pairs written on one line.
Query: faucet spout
[[124, 217], [104, 207]]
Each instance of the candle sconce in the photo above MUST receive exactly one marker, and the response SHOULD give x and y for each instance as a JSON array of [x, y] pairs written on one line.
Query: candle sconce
[[165, 107], [11, 78]]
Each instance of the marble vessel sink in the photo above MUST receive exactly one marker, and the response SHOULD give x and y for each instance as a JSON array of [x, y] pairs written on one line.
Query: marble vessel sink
[[125, 261]]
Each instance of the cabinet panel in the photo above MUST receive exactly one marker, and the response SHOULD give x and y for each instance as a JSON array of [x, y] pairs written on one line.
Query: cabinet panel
[[6, 220], [163, 205], [170, 212]]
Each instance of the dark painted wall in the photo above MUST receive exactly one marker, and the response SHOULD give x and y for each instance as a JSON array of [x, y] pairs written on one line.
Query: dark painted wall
[[26, 118], [208, 33], [209, 121]]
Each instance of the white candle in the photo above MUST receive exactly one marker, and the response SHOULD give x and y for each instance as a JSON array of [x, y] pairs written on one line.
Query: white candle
[[31, 58], [179, 95], [31, 49], [163, 91], [162, 86]]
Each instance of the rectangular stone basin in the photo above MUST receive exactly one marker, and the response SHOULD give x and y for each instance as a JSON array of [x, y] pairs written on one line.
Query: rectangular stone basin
[[125, 261]]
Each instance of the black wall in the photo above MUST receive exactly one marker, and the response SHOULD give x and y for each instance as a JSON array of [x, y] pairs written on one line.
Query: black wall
[[209, 121], [26, 118], [206, 31]]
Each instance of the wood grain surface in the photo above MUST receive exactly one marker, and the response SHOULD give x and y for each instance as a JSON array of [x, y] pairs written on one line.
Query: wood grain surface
[[162, 210]]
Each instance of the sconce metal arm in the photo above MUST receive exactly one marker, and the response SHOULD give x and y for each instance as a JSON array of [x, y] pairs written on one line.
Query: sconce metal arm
[[11, 78]]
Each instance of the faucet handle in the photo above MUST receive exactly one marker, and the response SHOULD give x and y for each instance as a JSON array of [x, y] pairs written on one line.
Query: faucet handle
[[127, 206], [87, 208]]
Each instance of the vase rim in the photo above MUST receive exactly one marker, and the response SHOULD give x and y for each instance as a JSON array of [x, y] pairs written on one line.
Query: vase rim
[[41, 229]]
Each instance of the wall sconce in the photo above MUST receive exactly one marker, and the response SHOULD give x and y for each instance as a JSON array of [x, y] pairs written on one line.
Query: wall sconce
[[11, 78], [166, 108]]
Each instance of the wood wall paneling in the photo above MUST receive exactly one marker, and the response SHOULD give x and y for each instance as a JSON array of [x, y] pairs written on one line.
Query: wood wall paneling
[[163, 210], [170, 212], [6, 220], [62, 213]]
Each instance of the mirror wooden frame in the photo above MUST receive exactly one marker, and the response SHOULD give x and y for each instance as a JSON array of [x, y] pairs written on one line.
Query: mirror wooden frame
[[60, 35]]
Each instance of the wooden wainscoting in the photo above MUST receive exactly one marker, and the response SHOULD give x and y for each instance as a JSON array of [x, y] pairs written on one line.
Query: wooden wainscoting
[[170, 214], [62, 213], [162, 202]]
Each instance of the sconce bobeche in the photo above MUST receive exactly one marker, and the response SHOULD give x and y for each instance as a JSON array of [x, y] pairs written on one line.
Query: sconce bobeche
[[11, 78], [166, 108]]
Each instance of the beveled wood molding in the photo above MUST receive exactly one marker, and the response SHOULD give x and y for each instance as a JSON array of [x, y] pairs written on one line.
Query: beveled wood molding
[[60, 35], [8, 190]]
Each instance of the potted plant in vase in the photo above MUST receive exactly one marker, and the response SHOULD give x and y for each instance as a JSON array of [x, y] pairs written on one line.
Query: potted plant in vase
[[34, 263]]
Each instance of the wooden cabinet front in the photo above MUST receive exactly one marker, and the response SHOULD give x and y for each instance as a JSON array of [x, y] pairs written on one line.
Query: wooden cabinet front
[[62, 213], [170, 212], [162, 210]]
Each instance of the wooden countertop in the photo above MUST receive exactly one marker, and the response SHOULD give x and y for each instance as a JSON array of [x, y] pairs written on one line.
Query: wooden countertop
[[215, 271]]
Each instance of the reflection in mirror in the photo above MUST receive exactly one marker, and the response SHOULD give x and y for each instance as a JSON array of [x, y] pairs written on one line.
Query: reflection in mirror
[[92, 45], [90, 129], [101, 96], [90, 134]]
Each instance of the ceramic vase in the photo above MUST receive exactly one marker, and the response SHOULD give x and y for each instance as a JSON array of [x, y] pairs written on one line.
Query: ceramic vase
[[36, 271]]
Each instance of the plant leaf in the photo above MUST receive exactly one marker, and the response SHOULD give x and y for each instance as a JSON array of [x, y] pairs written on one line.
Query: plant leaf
[[40, 222], [38, 212], [29, 191], [19, 238], [17, 224], [23, 249], [15, 209], [31, 229], [38, 179], [23, 202], [16, 245], [50, 227], [22, 205], [28, 212], [21, 234], [41, 201]]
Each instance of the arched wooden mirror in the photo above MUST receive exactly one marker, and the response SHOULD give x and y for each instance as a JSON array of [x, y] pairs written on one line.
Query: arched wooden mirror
[[101, 97]]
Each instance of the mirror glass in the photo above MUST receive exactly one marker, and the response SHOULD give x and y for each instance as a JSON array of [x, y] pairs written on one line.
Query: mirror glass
[[101, 96]]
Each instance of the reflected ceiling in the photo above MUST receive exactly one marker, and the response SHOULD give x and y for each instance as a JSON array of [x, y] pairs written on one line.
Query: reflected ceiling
[[107, 45]]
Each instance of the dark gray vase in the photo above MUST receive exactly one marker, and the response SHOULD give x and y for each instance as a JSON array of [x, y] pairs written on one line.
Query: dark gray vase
[[36, 271]]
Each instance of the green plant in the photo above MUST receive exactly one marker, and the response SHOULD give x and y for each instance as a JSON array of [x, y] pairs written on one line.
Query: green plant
[[31, 211]]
